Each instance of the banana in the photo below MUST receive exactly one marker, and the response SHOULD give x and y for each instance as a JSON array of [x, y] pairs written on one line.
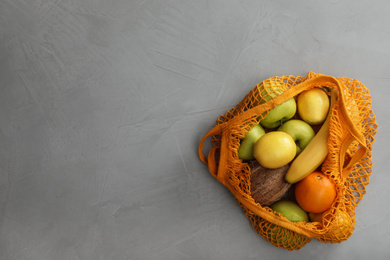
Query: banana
[[315, 152]]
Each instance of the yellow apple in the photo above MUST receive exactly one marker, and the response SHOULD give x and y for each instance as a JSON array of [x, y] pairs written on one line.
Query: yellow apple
[[313, 106], [274, 149]]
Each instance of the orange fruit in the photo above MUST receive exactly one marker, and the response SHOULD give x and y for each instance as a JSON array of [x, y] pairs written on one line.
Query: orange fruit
[[315, 193]]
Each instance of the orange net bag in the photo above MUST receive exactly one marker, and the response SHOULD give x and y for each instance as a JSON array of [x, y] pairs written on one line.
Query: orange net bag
[[348, 163]]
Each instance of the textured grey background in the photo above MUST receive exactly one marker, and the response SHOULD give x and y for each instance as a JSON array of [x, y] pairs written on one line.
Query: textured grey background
[[103, 104]]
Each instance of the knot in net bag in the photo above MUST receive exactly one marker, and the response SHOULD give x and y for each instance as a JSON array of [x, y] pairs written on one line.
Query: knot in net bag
[[351, 134]]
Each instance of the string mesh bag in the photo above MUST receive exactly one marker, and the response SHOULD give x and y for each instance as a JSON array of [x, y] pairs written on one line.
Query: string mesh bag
[[348, 164]]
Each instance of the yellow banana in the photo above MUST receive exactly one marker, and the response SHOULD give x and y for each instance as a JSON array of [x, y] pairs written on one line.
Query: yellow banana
[[315, 152]]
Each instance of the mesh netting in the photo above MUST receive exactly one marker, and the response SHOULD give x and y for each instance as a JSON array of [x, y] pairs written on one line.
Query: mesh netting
[[348, 164]]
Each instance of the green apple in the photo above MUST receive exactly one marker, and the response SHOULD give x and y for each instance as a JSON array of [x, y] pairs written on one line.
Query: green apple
[[283, 112], [245, 151], [274, 149], [280, 114], [268, 91], [300, 131], [293, 212]]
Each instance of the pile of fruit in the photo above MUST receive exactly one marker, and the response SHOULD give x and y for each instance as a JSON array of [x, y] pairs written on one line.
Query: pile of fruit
[[285, 152]]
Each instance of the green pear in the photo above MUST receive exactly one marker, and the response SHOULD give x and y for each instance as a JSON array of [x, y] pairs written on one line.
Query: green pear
[[291, 210], [300, 131], [280, 114], [245, 151]]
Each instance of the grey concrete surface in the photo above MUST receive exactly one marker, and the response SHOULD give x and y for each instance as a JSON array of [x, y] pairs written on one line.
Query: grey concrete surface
[[103, 105]]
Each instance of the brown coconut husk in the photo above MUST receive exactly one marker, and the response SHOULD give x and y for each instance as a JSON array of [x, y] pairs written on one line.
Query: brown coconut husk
[[268, 185]]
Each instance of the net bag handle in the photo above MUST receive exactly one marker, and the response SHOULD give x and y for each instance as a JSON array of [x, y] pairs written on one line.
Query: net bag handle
[[354, 135], [210, 160]]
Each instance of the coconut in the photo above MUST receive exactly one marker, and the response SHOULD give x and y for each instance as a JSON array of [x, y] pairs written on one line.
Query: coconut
[[268, 185]]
